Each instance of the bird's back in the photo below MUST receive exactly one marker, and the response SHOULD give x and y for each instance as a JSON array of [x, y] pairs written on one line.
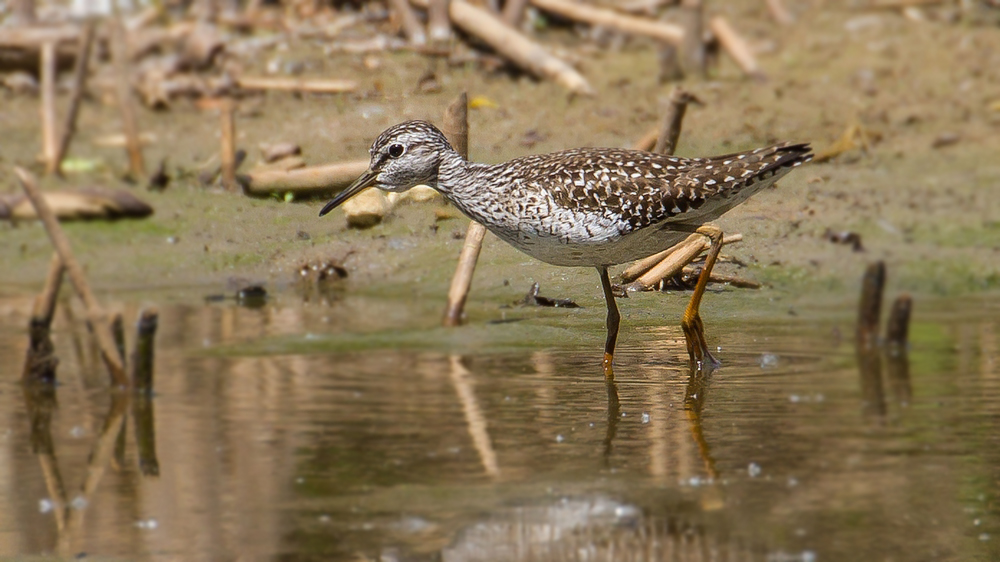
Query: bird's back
[[603, 206]]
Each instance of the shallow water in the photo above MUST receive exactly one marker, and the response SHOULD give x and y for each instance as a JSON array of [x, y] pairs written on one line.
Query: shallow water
[[357, 430]]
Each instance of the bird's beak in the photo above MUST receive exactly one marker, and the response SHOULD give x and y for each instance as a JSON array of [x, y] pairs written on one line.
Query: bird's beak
[[366, 179]]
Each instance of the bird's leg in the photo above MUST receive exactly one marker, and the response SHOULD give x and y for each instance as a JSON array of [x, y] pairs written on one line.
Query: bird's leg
[[613, 320], [694, 331]]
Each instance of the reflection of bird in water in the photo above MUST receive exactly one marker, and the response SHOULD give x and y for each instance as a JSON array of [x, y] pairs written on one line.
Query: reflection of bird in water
[[594, 207]]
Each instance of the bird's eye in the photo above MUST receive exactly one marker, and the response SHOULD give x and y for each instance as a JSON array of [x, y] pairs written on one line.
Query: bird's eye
[[396, 150]]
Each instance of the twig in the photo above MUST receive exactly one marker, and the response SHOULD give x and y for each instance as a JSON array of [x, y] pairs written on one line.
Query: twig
[[320, 86], [514, 46], [50, 137], [670, 131], [629, 24], [79, 84], [137, 167], [411, 26], [310, 181], [737, 48], [644, 268], [98, 319], [513, 12], [693, 45], [438, 25], [456, 128], [45, 302], [779, 12], [228, 137], [870, 306]]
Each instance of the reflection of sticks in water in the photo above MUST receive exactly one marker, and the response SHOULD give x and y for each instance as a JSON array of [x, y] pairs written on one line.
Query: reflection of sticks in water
[[897, 363], [41, 400], [141, 364], [474, 419]]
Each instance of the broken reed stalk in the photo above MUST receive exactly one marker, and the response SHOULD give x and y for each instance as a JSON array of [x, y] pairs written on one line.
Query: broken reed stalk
[[513, 12], [637, 269], [456, 129], [76, 95], [141, 361], [309, 181], [50, 137], [779, 12], [649, 271], [670, 131], [898, 329], [136, 165], [692, 47], [411, 25], [870, 306], [737, 48], [438, 25], [514, 46], [118, 333], [45, 302], [227, 122], [98, 319], [598, 16], [648, 141], [312, 85]]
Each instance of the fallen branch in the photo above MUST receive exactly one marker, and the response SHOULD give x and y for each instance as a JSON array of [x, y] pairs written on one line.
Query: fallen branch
[[514, 46], [648, 271], [597, 16], [513, 12], [97, 317], [313, 85], [309, 181], [737, 48]]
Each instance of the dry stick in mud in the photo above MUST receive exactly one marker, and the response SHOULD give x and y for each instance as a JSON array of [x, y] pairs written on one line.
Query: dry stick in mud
[[456, 129], [898, 328], [136, 165], [438, 25], [514, 46], [309, 181], [40, 362], [779, 12], [50, 137], [227, 122], [45, 303], [670, 130], [662, 31], [79, 84], [411, 25], [513, 12], [692, 47], [737, 48], [313, 85], [97, 317], [650, 271]]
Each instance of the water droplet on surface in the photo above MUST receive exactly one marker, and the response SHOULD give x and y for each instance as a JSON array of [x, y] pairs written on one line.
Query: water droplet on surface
[[768, 361], [645, 417], [45, 505], [560, 438], [753, 469]]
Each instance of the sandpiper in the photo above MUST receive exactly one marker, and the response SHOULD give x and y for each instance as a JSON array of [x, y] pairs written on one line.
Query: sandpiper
[[594, 207]]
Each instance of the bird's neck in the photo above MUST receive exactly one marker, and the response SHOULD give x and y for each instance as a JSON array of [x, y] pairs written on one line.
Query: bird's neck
[[458, 180]]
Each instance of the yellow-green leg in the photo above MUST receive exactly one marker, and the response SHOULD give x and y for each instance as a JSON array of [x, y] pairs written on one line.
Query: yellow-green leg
[[694, 330], [614, 318]]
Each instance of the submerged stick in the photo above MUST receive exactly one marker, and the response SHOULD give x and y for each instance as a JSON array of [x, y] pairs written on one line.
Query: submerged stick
[[227, 123], [670, 131], [898, 328], [50, 137], [136, 165], [98, 319], [411, 26], [456, 129], [514, 46], [870, 306], [76, 95], [309, 181], [737, 48]]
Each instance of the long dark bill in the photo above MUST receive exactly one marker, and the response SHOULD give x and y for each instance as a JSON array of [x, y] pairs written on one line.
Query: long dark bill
[[362, 182]]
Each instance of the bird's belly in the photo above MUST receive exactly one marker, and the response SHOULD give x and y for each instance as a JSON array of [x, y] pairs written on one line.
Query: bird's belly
[[601, 247]]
